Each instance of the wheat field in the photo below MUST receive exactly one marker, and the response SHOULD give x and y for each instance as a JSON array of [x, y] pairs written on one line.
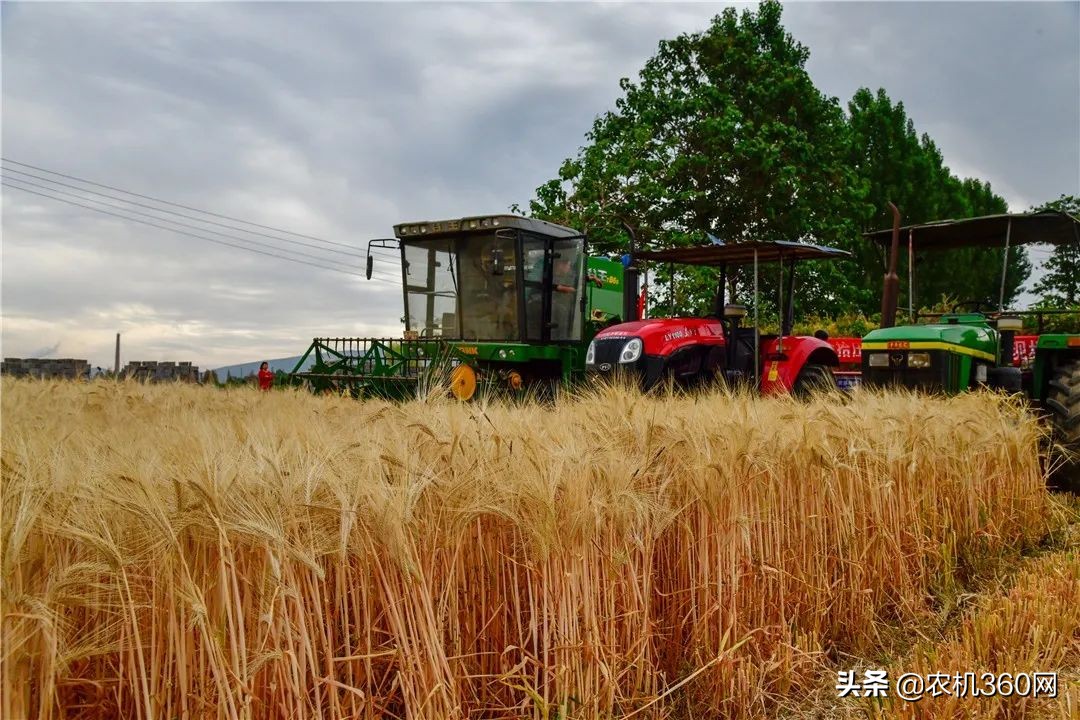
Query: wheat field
[[187, 552]]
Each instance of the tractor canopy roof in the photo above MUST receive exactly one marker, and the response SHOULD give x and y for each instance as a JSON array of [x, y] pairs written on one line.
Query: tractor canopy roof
[[742, 253], [1049, 226], [480, 223]]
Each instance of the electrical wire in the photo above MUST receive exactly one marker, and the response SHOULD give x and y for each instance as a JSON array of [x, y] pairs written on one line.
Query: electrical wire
[[172, 204], [167, 220], [7, 182], [170, 212]]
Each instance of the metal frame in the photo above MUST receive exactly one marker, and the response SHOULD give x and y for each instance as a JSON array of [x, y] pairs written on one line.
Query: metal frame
[[1047, 226], [751, 253], [373, 365], [518, 236]]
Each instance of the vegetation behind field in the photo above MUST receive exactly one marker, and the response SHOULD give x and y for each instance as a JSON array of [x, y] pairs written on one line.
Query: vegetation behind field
[[184, 552]]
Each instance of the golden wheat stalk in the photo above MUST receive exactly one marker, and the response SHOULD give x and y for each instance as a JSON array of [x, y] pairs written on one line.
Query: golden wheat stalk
[[188, 552]]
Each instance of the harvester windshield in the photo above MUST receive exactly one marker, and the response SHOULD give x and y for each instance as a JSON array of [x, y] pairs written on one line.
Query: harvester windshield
[[510, 279]]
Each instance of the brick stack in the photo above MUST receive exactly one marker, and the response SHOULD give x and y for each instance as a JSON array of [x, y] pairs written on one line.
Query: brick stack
[[166, 371], [68, 368]]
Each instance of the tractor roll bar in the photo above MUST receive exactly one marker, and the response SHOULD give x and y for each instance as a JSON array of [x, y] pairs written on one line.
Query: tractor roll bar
[[1048, 226], [630, 278], [743, 253]]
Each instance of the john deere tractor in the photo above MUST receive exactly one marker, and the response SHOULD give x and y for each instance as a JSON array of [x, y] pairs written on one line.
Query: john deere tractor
[[491, 302], [972, 346]]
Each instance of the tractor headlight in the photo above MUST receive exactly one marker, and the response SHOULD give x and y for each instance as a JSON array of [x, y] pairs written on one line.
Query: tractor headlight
[[918, 360], [631, 351], [590, 354], [879, 360]]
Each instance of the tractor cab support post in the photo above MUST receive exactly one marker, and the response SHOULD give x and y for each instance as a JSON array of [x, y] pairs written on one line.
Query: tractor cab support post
[[892, 281], [630, 279], [671, 289], [1004, 267], [757, 337], [720, 300], [788, 322]]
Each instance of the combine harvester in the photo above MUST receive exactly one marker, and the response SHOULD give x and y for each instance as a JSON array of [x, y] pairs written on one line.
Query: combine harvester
[[974, 346], [498, 302]]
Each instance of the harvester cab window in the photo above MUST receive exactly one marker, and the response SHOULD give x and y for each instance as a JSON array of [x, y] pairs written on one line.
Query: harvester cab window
[[489, 287], [496, 285], [534, 252], [567, 284], [431, 288]]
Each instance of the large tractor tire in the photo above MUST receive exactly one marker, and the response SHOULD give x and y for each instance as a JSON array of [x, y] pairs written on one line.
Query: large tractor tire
[[814, 379], [1063, 402]]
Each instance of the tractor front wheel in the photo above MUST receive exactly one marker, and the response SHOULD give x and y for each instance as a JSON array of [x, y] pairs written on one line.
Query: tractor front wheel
[[813, 379], [1063, 402]]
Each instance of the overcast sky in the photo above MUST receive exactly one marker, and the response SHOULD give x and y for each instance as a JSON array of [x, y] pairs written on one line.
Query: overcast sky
[[338, 120]]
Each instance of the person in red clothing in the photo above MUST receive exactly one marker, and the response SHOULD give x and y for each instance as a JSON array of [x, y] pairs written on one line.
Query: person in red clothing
[[266, 378]]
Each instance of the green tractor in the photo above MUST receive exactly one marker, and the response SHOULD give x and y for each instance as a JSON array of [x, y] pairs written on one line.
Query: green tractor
[[973, 345], [491, 302]]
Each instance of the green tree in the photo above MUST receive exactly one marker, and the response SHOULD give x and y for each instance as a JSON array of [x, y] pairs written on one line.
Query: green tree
[[896, 164], [722, 133], [1060, 285]]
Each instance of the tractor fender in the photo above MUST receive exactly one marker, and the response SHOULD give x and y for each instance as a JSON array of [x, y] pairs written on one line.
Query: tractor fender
[[778, 372]]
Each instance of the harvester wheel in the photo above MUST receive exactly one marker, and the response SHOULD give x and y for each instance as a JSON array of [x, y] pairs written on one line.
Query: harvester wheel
[[813, 379], [1063, 402]]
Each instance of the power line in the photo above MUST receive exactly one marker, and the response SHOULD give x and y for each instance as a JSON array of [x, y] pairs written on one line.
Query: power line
[[172, 204], [170, 212], [7, 182], [174, 222]]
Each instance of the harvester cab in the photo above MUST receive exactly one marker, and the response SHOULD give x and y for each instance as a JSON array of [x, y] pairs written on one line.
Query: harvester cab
[[495, 300], [694, 350], [975, 344]]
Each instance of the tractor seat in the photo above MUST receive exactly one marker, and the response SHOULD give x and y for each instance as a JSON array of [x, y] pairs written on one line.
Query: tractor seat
[[743, 360], [734, 311]]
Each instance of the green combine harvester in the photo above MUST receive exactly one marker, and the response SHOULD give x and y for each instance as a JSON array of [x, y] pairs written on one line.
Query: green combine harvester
[[497, 302], [972, 346]]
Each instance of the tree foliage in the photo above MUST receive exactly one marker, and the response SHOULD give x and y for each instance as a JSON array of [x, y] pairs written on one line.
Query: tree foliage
[[723, 133], [896, 164], [1059, 287]]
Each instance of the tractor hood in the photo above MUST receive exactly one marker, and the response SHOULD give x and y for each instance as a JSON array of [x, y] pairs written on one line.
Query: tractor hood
[[977, 340], [662, 336]]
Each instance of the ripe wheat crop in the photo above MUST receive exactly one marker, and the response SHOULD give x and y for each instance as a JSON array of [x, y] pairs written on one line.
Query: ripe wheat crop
[[181, 552]]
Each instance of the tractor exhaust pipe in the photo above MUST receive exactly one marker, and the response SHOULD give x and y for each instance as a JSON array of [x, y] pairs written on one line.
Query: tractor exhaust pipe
[[630, 279], [891, 291]]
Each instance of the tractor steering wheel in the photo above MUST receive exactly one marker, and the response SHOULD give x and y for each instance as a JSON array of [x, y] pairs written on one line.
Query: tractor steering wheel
[[975, 305]]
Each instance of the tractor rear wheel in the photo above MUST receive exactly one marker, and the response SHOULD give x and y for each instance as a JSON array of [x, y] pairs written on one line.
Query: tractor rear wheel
[[1063, 401], [813, 379]]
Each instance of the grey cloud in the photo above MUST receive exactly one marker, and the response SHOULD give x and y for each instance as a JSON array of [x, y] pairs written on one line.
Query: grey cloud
[[338, 120]]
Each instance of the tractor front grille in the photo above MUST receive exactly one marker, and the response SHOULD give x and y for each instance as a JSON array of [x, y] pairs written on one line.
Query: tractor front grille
[[606, 352], [932, 379]]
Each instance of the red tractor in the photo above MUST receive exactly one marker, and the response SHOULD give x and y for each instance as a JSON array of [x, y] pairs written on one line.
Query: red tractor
[[693, 350]]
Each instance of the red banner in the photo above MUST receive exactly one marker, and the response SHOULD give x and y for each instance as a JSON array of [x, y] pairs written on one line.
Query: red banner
[[849, 349], [1024, 350]]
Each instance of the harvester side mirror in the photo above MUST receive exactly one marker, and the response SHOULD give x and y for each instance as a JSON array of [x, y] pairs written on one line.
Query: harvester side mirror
[[496, 261], [370, 265]]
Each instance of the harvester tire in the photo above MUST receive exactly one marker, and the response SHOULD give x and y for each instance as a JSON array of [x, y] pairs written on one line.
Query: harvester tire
[[813, 379], [1063, 402]]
